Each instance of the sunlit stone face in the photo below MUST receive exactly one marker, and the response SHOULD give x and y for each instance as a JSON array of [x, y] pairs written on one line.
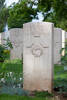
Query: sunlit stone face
[[16, 38], [38, 56], [57, 45]]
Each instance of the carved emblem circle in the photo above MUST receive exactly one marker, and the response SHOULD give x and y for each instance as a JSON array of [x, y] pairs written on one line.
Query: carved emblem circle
[[37, 51]]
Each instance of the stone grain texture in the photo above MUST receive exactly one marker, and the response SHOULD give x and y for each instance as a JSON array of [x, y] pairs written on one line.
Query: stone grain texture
[[38, 55], [16, 38], [2, 38], [63, 41], [57, 45]]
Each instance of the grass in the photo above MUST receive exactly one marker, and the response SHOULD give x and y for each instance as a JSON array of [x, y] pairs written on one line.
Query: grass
[[12, 66], [15, 97], [60, 77], [11, 72], [17, 67], [59, 72]]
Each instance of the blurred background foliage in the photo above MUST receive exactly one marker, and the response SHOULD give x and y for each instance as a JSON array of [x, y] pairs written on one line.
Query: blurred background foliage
[[4, 53], [3, 15], [25, 10]]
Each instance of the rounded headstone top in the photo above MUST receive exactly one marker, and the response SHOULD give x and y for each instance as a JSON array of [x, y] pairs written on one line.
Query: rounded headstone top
[[33, 23]]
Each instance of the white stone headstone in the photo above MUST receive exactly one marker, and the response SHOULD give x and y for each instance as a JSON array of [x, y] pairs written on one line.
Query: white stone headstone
[[38, 56], [63, 38], [57, 45], [2, 37], [16, 38], [66, 35], [63, 41]]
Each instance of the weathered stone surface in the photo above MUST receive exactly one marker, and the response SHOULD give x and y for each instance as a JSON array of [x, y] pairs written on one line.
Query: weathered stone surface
[[38, 56], [57, 45], [63, 38], [16, 38], [63, 41], [2, 37], [66, 35]]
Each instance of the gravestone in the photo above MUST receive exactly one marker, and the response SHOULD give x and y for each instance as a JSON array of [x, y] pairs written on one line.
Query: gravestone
[[66, 39], [16, 38], [38, 56], [2, 38], [57, 45], [66, 35], [63, 41]]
